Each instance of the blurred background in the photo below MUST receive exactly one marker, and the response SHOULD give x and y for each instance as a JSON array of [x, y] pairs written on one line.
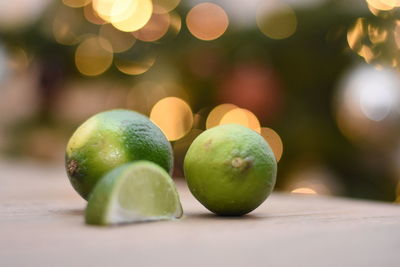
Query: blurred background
[[318, 79]]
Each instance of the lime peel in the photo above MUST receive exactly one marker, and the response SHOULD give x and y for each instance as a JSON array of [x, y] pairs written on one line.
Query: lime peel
[[135, 192], [110, 139], [230, 169]]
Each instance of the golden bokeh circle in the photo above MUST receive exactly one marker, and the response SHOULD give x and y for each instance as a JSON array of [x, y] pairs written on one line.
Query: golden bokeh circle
[[175, 23], [253, 122], [173, 116], [276, 20], [304, 190], [93, 56], [215, 116], [155, 28], [103, 8], [274, 141], [242, 117], [384, 5], [135, 18], [135, 67], [207, 21], [92, 16], [165, 6]]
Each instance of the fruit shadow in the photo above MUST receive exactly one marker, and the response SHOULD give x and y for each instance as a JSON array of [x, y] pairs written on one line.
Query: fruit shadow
[[212, 216], [186, 216]]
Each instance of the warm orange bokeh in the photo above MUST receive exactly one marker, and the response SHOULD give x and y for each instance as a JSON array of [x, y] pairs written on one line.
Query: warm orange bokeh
[[207, 21]]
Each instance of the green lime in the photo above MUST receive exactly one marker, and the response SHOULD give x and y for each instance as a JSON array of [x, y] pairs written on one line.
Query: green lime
[[230, 169], [134, 192], [110, 139]]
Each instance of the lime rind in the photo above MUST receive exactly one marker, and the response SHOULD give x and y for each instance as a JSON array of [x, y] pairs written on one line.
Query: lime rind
[[110, 139], [230, 169], [134, 192]]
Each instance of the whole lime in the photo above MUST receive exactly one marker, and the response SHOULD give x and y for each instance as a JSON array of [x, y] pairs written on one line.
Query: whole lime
[[109, 139], [230, 169]]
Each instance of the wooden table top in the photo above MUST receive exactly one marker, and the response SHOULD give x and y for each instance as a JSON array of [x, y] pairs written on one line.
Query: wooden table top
[[41, 224]]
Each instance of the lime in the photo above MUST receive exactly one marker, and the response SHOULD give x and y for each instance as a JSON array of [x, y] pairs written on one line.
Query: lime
[[230, 169], [134, 192], [110, 139]]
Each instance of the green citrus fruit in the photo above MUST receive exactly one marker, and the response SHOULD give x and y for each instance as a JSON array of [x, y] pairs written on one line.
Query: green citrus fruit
[[134, 192], [230, 169], [110, 139]]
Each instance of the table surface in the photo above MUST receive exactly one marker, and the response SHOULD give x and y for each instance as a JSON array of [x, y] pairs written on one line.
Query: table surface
[[41, 224]]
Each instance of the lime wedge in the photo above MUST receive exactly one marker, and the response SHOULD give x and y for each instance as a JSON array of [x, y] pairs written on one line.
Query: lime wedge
[[134, 192]]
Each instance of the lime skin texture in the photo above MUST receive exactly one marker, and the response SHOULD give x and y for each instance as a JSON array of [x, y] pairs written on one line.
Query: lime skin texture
[[110, 139], [133, 192], [230, 169]]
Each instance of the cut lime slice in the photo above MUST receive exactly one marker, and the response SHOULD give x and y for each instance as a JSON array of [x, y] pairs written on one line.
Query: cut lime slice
[[134, 192]]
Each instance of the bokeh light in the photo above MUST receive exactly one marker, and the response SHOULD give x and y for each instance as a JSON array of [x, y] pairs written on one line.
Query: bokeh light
[[304, 190], [376, 40], [356, 38], [397, 34], [92, 16], [356, 33], [243, 117], [175, 23], [367, 105], [274, 141], [125, 15], [155, 28], [135, 67], [376, 103], [276, 19], [164, 6], [114, 10], [120, 41], [309, 178], [207, 21], [378, 92], [76, 3], [137, 15], [393, 3], [383, 5], [376, 34], [104, 8], [251, 85], [93, 56], [217, 113], [174, 117]]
